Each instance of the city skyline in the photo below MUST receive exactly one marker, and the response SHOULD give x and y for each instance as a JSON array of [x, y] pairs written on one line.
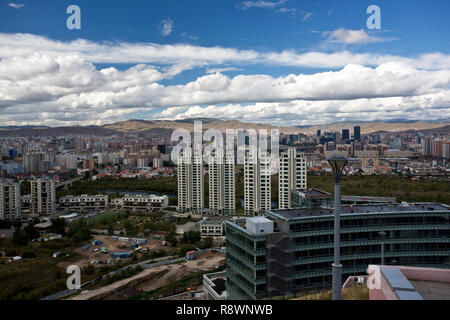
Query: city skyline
[[308, 63]]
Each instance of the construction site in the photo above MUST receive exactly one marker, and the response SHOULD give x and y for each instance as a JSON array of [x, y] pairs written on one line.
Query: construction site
[[174, 278]]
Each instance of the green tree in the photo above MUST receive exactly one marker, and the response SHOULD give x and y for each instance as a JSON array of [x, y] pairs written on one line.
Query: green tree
[[79, 231]]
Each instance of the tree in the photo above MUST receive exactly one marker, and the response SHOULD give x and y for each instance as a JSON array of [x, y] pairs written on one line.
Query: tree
[[58, 226], [206, 243], [17, 224], [28, 254], [20, 237], [79, 231], [191, 237], [170, 237]]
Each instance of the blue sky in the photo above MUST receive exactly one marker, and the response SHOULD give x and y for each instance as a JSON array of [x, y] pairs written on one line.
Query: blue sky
[[270, 38]]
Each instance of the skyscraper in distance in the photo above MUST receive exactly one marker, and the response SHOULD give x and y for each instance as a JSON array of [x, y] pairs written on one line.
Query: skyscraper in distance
[[357, 133]]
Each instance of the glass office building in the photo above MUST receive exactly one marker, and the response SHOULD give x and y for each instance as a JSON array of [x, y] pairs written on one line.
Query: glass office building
[[298, 253]]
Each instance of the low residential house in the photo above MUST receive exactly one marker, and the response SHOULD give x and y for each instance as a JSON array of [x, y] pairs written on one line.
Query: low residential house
[[84, 202], [212, 228], [142, 203]]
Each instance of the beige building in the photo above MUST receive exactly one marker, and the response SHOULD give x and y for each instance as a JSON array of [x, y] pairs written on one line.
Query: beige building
[[43, 199], [291, 176], [221, 183], [10, 208], [190, 182], [257, 193]]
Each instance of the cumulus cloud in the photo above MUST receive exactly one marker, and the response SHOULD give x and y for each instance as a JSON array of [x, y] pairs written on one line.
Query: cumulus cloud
[[123, 52], [56, 83], [300, 112], [68, 87], [16, 5], [349, 36], [166, 27]]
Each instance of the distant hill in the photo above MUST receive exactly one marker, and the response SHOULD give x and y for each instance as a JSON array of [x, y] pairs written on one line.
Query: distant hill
[[165, 127], [372, 127], [188, 124]]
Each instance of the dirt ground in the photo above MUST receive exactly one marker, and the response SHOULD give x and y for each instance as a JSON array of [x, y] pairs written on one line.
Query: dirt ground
[[112, 246], [154, 278]]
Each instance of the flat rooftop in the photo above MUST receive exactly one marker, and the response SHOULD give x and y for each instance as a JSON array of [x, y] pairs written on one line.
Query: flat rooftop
[[314, 193], [411, 283], [311, 212]]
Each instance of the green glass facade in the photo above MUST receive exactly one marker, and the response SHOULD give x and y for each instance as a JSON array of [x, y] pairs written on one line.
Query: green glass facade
[[266, 266]]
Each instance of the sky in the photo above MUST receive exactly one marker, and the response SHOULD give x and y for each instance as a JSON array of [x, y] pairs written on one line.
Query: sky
[[283, 62]]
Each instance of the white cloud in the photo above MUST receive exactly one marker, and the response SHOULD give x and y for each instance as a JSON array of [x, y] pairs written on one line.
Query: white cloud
[[300, 112], [221, 70], [69, 90], [56, 83], [166, 27], [287, 11], [12, 45], [349, 36], [16, 5], [307, 16], [260, 4]]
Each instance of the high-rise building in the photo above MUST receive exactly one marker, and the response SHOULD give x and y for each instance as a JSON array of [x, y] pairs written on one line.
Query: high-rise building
[[67, 161], [437, 148], [292, 176], [89, 164], [33, 163], [345, 134], [357, 133], [162, 148], [142, 162], [190, 182], [257, 195], [446, 150], [427, 147], [43, 199], [158, 163], [9, 200], [221, 183]]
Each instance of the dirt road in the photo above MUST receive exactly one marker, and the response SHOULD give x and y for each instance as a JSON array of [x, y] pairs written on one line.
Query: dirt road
[[151, 279]]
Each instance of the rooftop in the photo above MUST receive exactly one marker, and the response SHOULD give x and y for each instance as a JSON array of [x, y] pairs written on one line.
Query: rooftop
[[358, 209], [410, 283], [314, 193]]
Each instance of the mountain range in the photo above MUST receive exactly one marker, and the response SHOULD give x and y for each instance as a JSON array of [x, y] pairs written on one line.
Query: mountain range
[[166, 126]]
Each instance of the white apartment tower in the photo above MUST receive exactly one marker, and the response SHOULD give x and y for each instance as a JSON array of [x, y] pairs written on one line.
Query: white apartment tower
[[190, 182], [43, 199], [221, 183], [257, 195], [9, 200], [291, 176]]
